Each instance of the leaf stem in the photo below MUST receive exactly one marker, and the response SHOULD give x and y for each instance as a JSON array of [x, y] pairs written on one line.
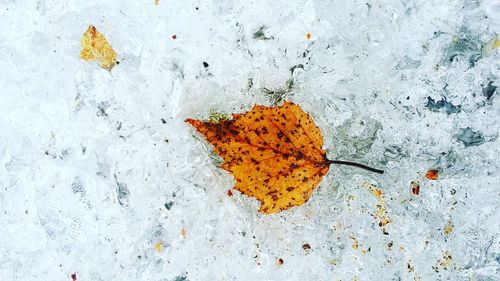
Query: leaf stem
[[340, 162]]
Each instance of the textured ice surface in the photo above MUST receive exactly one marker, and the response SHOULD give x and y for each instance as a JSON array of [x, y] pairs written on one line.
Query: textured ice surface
[[100, 176]]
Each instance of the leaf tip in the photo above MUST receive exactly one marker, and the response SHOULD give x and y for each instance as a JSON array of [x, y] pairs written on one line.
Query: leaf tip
[[190, 121]]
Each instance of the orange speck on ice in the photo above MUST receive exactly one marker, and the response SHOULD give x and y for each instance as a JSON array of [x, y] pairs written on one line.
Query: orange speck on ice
[[432, 174]]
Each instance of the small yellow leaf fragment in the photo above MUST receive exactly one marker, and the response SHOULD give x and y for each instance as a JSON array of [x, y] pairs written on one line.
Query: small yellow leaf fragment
[[448, 228], [384, 220], [157, 2], [308, 36], [445, 262], [95, 46], [410, 267], [377, 193], [355, 243], [217, 117], [491, 46], [183, 233], [158, 247], [381, 212]]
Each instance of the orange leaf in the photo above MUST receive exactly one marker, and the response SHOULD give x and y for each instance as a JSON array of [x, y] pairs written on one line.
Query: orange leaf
[[95, 46], [274, 153]]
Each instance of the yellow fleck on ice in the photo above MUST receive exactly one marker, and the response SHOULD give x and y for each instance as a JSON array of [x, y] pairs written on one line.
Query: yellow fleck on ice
[[491, 46], [381, 212], [448, 229], [158, 247], [355, 243]]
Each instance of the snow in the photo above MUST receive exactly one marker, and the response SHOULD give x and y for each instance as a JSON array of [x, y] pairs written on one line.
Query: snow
[[97, 168]]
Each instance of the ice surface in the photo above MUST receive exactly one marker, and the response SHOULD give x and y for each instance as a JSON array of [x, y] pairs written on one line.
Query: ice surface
[[98, 168]]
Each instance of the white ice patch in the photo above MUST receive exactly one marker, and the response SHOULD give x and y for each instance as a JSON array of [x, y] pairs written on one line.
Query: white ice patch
[[98, 167]]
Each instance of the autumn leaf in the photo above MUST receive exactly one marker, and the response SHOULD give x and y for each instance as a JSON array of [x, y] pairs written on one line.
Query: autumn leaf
[[96, 47], [274, 153]]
